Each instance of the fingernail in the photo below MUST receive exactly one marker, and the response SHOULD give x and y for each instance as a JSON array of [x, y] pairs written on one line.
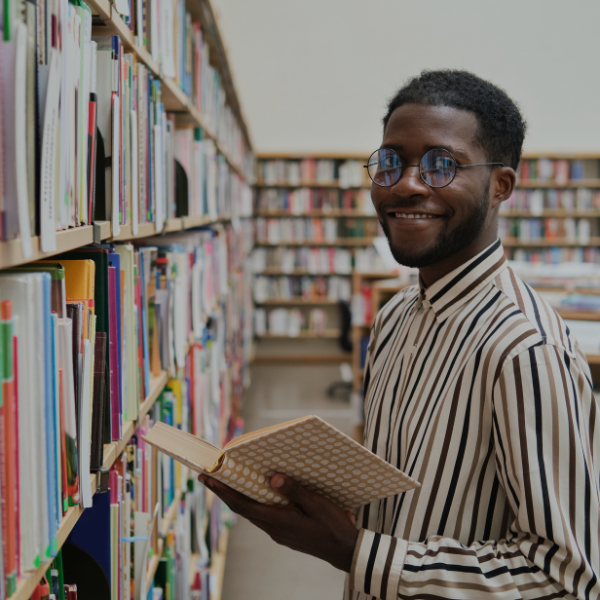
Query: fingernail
[[277, 481]]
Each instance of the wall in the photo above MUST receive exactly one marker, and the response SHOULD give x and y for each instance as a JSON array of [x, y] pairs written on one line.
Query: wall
[[314, 75]]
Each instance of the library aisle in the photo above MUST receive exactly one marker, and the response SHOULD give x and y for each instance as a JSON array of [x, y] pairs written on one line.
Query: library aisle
[[256, 567]]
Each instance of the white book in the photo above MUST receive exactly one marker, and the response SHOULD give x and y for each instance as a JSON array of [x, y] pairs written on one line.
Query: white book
[[20, 289], [14, 81], [130, 346], [65, 363], [49, 156], [134, 172], [57, 409], [84, 102], [85, 398], [104, 66], [116, 171], [34, 358]]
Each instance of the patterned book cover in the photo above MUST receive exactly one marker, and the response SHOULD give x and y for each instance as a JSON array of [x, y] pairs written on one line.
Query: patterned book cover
[[309, 450]]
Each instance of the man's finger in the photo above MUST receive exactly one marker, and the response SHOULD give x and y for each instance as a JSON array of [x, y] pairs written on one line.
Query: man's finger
[[295, 492], [238, 503]]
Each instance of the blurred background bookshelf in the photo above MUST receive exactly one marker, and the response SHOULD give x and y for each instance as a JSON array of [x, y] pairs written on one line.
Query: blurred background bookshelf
[[315, 225]]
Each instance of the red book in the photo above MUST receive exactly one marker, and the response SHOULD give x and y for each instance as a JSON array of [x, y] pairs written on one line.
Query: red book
[[8, 444], [16, 429]]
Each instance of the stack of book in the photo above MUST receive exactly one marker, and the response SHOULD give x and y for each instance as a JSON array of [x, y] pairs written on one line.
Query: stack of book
[[305, 200], [285, 288], [315, 261], [296, 230], [283, 322]]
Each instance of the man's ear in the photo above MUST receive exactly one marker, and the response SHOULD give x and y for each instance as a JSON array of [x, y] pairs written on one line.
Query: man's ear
[[503, 183]]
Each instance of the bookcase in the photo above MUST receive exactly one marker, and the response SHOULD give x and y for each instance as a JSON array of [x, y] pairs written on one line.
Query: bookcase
[[146, 208], [315, 225]]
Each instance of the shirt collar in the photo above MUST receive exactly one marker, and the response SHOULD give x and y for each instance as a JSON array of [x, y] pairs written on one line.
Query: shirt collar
[[456, 288]]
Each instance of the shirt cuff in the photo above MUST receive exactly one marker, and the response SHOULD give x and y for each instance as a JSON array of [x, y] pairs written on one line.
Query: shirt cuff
[[377, 564]]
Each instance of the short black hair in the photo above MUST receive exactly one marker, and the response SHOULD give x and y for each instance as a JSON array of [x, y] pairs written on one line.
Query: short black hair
[[501, 125]]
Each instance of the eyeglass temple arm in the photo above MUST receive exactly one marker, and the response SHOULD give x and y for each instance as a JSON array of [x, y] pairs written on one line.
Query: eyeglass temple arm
[[480, 165]]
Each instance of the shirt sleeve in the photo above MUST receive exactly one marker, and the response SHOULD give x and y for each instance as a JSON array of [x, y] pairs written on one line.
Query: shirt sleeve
[[546, 430]]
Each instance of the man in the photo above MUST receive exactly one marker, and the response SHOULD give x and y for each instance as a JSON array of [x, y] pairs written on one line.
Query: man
[[473, 385]]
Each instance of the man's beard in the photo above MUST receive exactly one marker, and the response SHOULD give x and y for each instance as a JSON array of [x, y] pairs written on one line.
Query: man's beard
[[447, 242]]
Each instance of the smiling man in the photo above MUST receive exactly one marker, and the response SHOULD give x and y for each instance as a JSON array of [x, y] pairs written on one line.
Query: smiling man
[[473, 385]]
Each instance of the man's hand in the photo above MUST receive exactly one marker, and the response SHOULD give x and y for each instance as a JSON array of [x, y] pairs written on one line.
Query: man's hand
[[310, 523]]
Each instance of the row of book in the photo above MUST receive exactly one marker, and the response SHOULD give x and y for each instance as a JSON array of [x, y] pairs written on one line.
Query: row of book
[[82, 337], [567, 229], [554, 255], [560, 171], [343, 172], [301, 229], [304, 200], [167, 31], [317, 261], [120, 531], [537, 200], [85, 136], [290, 322], [204, 183], [302, 288]]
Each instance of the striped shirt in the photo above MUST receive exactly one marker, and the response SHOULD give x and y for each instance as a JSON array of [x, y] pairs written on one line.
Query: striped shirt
[[476, 388]]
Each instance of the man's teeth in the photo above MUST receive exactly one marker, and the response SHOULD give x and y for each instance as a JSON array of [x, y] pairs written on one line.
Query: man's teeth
[[413, 216]]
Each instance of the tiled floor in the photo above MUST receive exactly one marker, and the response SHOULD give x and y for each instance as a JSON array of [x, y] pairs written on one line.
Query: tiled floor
[[256, 567]]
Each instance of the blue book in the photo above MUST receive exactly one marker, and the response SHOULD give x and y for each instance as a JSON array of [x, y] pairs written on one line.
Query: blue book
[[49, 416], [92, 532]]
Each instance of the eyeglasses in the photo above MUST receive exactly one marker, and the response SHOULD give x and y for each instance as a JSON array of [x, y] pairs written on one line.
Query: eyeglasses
[[437, 167]]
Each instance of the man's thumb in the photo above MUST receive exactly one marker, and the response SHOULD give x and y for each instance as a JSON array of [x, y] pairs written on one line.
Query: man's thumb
[[289, 488]]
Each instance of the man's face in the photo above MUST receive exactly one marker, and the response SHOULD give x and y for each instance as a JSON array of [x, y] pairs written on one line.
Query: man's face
[[456, 215]]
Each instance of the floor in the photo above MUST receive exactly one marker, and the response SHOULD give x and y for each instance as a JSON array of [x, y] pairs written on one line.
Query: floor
[[256, 567]]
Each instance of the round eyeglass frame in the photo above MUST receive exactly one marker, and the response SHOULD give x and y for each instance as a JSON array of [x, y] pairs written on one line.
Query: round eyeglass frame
[[420, 166]]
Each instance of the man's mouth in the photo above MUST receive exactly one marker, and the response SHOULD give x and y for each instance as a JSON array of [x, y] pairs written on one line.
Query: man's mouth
[[413, 215]]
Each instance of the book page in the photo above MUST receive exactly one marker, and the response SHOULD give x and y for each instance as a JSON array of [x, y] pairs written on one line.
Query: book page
[[198, 454]]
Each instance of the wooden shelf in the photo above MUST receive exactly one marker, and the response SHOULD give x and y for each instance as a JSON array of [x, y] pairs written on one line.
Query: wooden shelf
[[575, 183], [578, 315], [217, 566], [334, 212], [303, 358], [328, 333], [11, 252], [312, 184], [297, 302], [314, 156], [153, 565], [171, 514], [559, 213], [559, 242], [338, 242], [593, 359], [27, 585], [272, 271]]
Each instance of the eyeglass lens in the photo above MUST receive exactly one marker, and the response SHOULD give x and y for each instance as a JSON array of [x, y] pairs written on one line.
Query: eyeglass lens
[[437, 167]]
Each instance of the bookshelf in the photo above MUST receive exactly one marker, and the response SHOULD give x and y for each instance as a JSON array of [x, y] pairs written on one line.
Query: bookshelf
[[554, 214], [315, 226], [224, 132]]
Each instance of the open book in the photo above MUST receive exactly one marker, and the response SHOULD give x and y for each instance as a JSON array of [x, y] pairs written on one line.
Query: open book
[[309, 450]]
